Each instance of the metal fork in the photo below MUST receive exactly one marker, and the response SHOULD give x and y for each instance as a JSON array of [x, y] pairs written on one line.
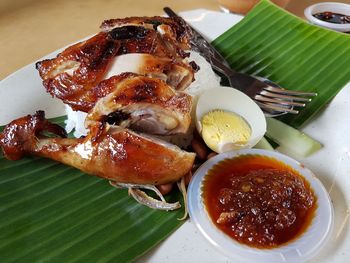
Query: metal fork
[[271, 98]]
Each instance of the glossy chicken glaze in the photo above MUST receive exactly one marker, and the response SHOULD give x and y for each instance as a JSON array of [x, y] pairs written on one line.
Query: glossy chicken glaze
[[81, 67], [110, 152], [78, 68]]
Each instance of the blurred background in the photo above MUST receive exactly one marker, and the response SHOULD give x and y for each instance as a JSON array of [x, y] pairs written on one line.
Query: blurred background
[[31, 29]]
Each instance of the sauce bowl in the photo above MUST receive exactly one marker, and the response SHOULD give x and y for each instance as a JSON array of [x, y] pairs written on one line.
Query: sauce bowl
[[333, 7], [304, 247]]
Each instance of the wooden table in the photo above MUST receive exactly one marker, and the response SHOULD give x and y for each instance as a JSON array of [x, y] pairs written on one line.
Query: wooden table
[[30, 29]]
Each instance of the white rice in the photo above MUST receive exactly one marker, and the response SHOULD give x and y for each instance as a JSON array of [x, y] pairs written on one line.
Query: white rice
[[205, 79], [75, 121]]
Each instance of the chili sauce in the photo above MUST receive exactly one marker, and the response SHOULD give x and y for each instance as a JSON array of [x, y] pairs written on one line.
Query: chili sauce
[[258, 201]]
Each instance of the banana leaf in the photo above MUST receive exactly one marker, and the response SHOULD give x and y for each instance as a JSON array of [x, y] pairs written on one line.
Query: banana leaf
[[272, 43], [54, 213]]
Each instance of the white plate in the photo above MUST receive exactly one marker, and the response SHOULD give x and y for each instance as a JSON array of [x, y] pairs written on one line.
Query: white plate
[[22, 93]]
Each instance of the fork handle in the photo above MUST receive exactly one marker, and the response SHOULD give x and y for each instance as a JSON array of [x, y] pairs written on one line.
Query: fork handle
[[222, 68], [242, 82]]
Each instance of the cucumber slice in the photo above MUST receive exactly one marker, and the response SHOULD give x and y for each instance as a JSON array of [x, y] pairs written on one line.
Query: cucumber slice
[[291, 140], [264, 144]]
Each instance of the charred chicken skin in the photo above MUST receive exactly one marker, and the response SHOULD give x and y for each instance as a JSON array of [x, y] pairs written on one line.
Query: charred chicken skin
[[110, 152], [174, 27], [83, 66]]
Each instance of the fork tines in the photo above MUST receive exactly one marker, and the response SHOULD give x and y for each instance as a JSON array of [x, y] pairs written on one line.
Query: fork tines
[[275, 99], [290, 92]]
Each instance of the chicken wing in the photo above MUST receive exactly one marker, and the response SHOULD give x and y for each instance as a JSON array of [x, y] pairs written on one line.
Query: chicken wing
[[82, 66], [110, 152], [78, 68]]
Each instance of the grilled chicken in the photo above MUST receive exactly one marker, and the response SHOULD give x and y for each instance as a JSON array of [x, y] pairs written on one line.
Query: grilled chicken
[[143, 104], [110, 152], [78, 68], [159, 41], [172, 30], [177, 74], [128, 76]]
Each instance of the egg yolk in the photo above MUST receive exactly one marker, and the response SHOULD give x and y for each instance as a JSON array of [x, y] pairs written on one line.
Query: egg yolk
[[224, 131]]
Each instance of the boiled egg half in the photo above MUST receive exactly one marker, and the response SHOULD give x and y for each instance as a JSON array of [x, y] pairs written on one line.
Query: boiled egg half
[[227, 119]]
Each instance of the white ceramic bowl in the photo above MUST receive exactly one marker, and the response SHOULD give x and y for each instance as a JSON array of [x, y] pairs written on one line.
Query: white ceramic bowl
[[333, 7], [301, 249]]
